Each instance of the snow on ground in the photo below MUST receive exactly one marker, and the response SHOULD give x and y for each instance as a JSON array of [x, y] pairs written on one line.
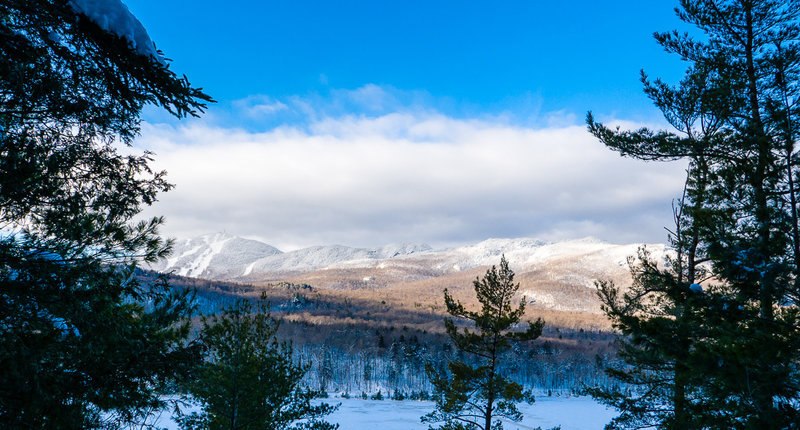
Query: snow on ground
[[571, 413]]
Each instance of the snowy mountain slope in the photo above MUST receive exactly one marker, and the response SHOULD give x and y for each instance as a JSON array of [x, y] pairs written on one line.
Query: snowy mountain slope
[[558, 275], [320, 257], [217, 256], [225, 257], [221, 256], [526, 255]]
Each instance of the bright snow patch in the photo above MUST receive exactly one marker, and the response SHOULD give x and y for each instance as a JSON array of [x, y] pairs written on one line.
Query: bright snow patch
[[249, 269], [114, 17], [214, 246], [571, 413]]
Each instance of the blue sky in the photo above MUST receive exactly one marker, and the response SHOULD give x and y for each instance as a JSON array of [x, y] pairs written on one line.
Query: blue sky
[[471, 57], [292, 75]]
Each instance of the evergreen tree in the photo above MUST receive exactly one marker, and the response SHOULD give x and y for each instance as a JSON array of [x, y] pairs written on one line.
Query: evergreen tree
[[82, 343], [248, 381], [475, 397], [659, 314], [658, 317], [735, 117]]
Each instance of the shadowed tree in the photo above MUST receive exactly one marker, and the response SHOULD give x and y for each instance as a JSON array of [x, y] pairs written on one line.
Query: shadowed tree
[[248, 381], [659, 314], [82, 343], [740, 331]]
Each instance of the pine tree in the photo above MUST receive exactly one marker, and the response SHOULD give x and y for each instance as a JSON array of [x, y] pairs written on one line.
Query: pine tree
[[659, 314], [82, 343], [740, 329], [249, 381], [475, 397]]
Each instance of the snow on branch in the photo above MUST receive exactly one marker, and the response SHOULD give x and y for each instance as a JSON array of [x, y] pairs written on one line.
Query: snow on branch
[[113, 16]]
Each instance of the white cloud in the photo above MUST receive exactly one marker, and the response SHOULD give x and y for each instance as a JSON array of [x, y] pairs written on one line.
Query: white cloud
[[257, 107], [405, 176]]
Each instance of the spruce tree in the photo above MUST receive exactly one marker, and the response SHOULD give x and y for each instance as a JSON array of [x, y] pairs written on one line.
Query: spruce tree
[[741, 327], [249, 380], [82, 343], [474, 397]]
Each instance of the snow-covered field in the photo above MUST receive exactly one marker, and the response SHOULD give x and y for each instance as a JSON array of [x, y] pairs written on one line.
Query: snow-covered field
[[571, 413]]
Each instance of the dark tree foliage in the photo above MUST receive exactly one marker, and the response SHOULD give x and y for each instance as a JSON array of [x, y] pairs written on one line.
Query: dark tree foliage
[[724, 354], [248, 381], [659, 318], [475, 397], [82, 343], [659, 315]]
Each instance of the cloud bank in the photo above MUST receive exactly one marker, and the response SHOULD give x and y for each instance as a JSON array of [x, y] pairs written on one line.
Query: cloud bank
[[404, 175]]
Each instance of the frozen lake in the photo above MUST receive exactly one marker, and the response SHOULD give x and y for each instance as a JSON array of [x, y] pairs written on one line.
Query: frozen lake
[[571, 413]]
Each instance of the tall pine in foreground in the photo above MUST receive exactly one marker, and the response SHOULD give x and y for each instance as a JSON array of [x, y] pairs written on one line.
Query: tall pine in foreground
[[659, 315], [82, 343], [475, 397], [722, 351]]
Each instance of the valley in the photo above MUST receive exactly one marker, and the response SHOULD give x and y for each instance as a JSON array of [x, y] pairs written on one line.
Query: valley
[[368, 320]]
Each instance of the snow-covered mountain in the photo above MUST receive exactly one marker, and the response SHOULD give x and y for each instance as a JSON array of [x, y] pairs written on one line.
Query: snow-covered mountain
[[215, 256], [224, 257], [221, 256], [527, 254]]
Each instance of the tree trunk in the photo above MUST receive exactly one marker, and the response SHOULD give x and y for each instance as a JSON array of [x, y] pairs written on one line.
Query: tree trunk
[[762, 393]]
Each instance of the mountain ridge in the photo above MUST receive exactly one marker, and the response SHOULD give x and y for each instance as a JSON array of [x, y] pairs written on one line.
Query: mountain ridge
[[223, 257]]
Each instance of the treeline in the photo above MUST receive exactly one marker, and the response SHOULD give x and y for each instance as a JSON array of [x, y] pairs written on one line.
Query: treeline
[[550, 367], [356, 345]]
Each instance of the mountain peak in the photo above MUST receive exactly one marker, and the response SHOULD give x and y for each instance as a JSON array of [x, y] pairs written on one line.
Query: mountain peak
[[217, 255]]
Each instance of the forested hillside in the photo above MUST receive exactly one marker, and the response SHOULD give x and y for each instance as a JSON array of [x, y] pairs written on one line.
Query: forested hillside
[[359, 343]]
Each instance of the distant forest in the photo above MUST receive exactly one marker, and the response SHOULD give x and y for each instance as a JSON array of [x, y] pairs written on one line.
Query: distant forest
[[362, 347]]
